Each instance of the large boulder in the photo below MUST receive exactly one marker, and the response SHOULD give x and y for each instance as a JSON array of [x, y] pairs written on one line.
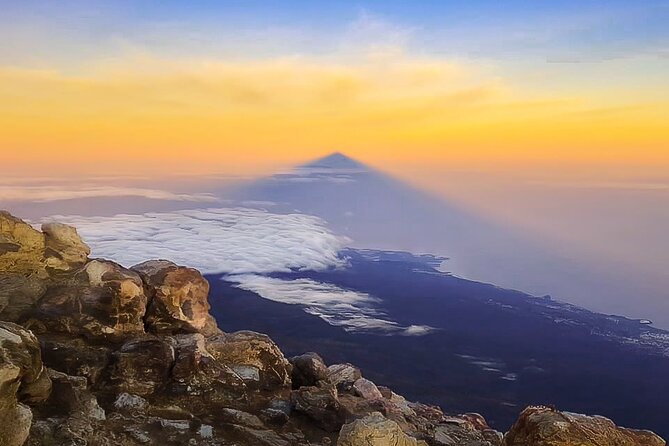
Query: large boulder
[[103, 301], [23, 379], [375, 430], [179, 298], [253, 356], [64, 249], [544, 426], [308, 369]]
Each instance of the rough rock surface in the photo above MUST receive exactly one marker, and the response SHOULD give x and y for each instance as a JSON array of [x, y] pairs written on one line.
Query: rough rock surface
[[23, 380], [135, 358], [375, 430], [102, 301], [253, 356], [543, 426], [64, 249], [179, 298], [21, 246], [308, 369]]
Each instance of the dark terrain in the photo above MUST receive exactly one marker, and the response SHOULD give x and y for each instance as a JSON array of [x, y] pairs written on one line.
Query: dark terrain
[[495, 352]]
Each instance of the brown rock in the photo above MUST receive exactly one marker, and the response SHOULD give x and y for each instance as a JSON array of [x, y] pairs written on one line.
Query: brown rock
[[321, 404], [179, 298], [543, 426], [103, 301], [253, 356], [142, 366], [343, 375], [64, 249], [366, 389], [21, 246], [71, 395], [375, 430], [197, 373], [75, 357], [23, 379], [19, 294], [308, 370]]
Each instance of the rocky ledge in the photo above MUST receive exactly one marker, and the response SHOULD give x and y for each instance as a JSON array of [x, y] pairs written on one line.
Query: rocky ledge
[[93, 353]]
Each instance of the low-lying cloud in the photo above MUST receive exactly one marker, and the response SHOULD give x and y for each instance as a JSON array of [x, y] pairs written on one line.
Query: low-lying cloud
[[352, 310], [224, 240]]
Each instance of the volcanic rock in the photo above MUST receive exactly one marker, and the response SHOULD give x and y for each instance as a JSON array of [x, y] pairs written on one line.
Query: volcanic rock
[[253, 356], [103, 301], [64, 249], [308, 370], [321, 404], [543, 426], [179, 298], [375, 430], [23, 379]]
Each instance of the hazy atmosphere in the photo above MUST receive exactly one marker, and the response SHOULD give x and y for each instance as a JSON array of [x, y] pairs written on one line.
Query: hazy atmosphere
[[467, 200]]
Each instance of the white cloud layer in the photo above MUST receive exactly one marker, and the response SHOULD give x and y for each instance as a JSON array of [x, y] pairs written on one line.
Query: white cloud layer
[[41, 194], [352, 310], [225, 240], [243, 243]]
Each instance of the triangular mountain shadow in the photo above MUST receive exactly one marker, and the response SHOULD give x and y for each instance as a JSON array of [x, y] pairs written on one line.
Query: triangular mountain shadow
[[378, 211]]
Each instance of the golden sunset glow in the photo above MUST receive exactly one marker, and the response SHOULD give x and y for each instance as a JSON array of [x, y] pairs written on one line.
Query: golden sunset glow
[[381, 107]]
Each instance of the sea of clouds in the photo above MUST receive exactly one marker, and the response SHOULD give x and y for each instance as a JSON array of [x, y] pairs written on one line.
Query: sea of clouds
[[244, 244]]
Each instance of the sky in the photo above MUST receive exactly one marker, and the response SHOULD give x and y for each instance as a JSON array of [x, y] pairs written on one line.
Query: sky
[[244, 86], [548, 117]]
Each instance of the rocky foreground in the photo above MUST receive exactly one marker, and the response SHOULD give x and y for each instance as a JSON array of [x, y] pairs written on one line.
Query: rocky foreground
[[92, 353]]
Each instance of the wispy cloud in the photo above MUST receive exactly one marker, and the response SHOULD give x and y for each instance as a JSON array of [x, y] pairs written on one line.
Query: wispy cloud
[[352, 310], [42, 194]]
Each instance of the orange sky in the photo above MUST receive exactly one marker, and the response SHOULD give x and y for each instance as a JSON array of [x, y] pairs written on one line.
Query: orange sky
[[140, 110]]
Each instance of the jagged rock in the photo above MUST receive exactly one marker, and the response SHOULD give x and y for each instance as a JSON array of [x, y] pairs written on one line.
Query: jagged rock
[[253, 356], [64, 249], [366, 389], [343, 375], [308, 370], [142, 366], [179, 301], [543, 426], [197, 373], [103, 301], [375, 430], [23, 379], [71, 395], [21, 246], [74, 356], [321, 404]]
